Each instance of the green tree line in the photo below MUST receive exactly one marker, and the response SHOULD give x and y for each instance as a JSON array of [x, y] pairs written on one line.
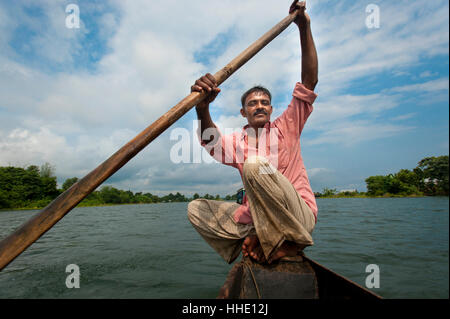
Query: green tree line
[[21, 187], [428, 178], [35, 187]]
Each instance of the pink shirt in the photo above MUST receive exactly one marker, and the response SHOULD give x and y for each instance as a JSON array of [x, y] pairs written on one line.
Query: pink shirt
[[282, 149]]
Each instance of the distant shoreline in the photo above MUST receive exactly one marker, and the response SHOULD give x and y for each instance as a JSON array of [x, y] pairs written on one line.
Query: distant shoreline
[[122, 204]]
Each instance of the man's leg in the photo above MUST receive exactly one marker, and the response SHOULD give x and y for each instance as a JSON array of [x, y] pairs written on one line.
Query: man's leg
[[279, 214], [215, 223]]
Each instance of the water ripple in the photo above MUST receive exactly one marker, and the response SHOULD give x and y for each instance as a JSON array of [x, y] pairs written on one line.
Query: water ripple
[[152, 251]]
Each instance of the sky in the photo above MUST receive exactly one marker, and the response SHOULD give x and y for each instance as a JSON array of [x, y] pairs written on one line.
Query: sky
[[73, 96]]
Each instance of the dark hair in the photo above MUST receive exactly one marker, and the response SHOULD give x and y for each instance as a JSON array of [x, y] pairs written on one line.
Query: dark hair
[[257, 88]]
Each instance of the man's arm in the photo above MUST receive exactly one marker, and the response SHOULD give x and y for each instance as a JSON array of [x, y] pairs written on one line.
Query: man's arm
[[206, 83], [310, 63]]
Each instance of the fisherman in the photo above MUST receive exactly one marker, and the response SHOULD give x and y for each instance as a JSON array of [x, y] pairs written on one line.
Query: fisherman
[[279, 211]]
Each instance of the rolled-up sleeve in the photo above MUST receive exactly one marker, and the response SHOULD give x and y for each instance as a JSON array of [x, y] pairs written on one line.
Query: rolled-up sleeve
[[304, 94], [293, 119]]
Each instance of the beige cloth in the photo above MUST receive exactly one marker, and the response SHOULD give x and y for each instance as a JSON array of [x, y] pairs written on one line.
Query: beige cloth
[[278, 212]]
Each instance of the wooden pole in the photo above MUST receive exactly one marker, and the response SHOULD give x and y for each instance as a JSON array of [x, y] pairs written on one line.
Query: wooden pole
[[29, 232]]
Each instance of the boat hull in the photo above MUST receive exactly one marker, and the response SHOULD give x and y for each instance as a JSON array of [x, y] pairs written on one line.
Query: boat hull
[[291, 278]]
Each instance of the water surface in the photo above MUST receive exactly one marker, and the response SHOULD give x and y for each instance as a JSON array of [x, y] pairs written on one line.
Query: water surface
[[152, 251]]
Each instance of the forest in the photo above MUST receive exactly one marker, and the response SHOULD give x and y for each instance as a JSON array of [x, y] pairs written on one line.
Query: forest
[[428, 178], [35, 187]]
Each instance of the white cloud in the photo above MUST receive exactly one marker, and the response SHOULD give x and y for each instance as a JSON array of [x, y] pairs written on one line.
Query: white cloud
[[23, 147], [345, 107], [348, 50], [404, 117], [427, 74], [317, 170], [350, 133], [430, 86]]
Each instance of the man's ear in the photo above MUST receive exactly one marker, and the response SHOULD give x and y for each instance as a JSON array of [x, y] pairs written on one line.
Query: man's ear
[[243, 112]]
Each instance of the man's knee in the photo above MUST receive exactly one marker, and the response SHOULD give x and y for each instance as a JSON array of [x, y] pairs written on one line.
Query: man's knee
[[255, 166], [193, 209]]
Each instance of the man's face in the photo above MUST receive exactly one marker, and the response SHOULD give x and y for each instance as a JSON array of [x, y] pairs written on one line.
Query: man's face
[[257, 109]]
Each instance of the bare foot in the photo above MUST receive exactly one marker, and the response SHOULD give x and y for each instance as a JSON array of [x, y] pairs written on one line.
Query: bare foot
[[250, 242], [287, 249], [258, 254], [251, 248]]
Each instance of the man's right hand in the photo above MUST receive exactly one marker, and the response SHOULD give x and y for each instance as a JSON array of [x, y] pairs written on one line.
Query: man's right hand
[[206, 83], [302, 20]]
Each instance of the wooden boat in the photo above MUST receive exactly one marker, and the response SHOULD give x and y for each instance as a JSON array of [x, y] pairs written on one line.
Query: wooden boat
[[291, 278]]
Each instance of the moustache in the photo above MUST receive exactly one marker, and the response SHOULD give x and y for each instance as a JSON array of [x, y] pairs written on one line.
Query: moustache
[[260, 112]]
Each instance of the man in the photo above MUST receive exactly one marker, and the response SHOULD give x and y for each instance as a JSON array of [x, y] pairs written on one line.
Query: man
[[279, 211]]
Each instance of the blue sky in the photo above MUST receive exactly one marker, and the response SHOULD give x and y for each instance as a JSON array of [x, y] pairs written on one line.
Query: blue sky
[[72, 97]]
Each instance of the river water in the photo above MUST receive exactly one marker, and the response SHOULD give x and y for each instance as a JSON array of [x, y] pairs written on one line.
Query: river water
[[152, 251]]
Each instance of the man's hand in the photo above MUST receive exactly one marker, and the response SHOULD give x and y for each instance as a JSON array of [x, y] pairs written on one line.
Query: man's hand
[[206, 83], [302, 20]]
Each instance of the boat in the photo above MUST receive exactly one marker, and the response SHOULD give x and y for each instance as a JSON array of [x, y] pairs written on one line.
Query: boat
[[297, 277]]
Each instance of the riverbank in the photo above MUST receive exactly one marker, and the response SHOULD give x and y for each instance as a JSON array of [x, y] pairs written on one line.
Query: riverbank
[[90, 204], [79, 205]]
